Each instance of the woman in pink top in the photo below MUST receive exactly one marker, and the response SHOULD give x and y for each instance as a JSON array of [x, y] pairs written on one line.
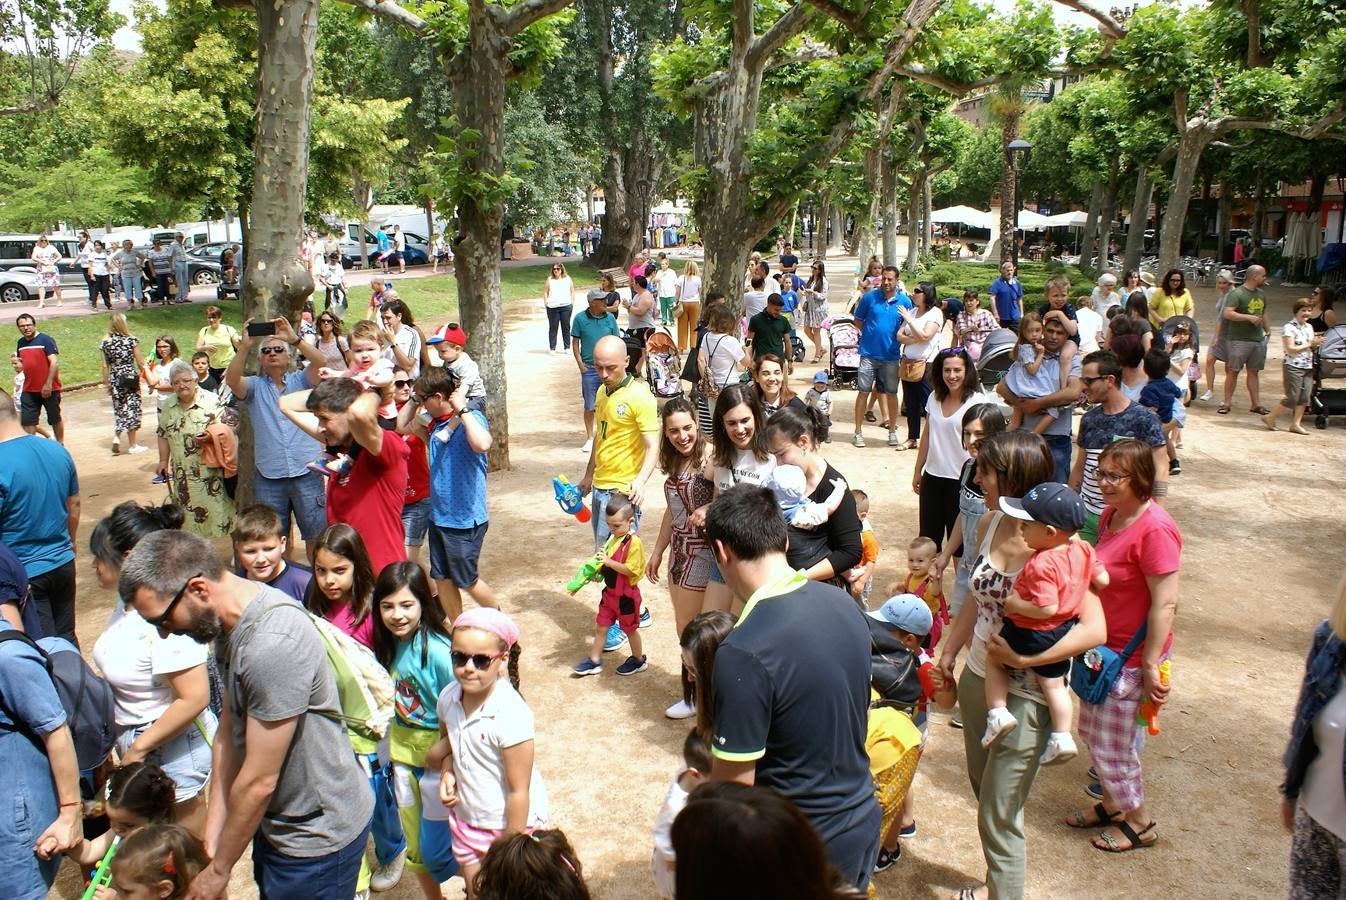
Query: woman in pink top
[[1139, 545], [343, 583]]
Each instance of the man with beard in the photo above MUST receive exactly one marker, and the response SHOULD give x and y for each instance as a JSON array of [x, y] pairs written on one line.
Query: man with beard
[[286, 781]]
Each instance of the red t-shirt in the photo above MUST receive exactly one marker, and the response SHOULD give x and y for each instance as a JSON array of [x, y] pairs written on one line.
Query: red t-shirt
[[418, 470], [369, 499], [1148, 547], [35, 354], [1057, 576]]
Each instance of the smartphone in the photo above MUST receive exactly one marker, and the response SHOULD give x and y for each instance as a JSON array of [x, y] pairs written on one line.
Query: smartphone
[[261, 329]]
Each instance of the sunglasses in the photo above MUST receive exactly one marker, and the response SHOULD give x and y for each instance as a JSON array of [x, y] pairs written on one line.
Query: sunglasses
[[1090, 379], [480, 661], [272, 350], [951, 351], [401, 382], [161, 620]]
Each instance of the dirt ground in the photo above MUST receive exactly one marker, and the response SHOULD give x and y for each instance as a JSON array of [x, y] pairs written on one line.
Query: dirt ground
[[1260, 514]]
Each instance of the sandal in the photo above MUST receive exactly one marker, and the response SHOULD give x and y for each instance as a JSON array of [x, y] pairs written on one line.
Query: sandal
[[1260, 411], [1223, 410], [870, 417], [1136, 838], [1077, 820], [968, 893]]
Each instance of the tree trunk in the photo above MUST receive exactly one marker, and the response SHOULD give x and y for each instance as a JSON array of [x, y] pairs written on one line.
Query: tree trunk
[[794, 221], [915, 197], [1106, 215], [1190, 148], [1140, 209], [1259, 222], [888, 209], [822, 225], [927, 209], [1087, 251], [836, 225], [1223, 214], [1009, 199]]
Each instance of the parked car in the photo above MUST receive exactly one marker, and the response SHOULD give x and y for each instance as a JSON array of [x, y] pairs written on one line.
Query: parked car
[[16, 251], [18, 284], [417, 252]]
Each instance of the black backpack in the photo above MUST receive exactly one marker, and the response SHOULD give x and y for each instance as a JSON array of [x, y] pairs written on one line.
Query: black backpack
[[89, 705]]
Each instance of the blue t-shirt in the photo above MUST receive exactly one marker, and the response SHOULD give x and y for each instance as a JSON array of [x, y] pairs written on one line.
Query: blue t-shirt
[[419, 682], [383, 240], [881, 320], [588, 329], [37, 477], [1160, 394], [457, 475], [791, 300], [1069, 310], [280, 448], [1008, 297], [292, 581]]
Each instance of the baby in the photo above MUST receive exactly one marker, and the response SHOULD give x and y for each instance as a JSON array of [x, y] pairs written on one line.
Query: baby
[[789, 486], [695, 771], [370, 369]]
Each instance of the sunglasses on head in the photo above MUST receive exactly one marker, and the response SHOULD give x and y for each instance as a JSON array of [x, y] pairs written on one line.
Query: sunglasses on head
[[479, 660]]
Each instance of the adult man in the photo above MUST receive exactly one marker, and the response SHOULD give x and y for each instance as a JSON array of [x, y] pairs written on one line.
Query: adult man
[[179, 250], [585, 235], [368, 496], [587, 328], [41, 378], [754, 299], [1008, 295], [282, 451], [792, 684], [877, 317], [400, 249], [1058, 306], [160, 262], [1057, 434], [129, 263], [285, 779], [788, 261], [39, 515], [769, 330], [1115, 416], [1247, 332], [82, 251]]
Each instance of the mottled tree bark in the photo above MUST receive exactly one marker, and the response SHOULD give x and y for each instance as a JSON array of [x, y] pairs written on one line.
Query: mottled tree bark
[[1140, 208], [1009, 198]]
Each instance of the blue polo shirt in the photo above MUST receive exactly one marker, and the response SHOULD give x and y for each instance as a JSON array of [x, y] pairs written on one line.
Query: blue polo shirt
[[881, 320], [37, 477], [588, 329], [457, 475], [1008, 297], [280, 448]]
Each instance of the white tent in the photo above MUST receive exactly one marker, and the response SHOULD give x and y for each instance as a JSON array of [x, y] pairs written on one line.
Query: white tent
[[1031, 221], [1074, 219], [962, 215]]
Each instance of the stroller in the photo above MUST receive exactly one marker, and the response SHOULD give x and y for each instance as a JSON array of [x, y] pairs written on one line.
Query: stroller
[[997, 355], [1329, 362], [843, 354], [663, 364]]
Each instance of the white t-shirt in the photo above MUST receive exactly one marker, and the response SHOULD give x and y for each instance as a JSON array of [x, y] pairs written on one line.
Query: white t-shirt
[[136, 662], [160, 374], [927, 349], [560, 292], [723, 351], [747, 469], [691, 288], [945, 455], [1180, 359], [753, 303], [665, 283], [503, 721], [664, 877], [1322, 795], [1299, 334], [1090, 324], [46, 258], [98, 261], [409, 342]]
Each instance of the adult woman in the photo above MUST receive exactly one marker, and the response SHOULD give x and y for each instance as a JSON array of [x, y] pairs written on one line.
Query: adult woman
[[1138, 311], [664, 282], [683, 452], [558, 295], [609, 286], [815, 306], [1131, 354], [160, 684], [1130, 284], [122, 365], [688, 293], [98, 274], [720, 359], [1007, 297], [919, 339], [406, 344], [219, 341], [197, 487], [754, 263], [1219, 344], [330, 342], [641, 310], [1324, 299], [1106, 295], [831, 551], [165, 353], [973, 325], [1008, 465], [1311, 801], [1171, 299], [47, 258], [941, 455], [1140, 547], [768, 377]]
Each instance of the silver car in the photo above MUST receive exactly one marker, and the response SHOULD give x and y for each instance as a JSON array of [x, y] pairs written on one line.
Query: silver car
[[19, 284]]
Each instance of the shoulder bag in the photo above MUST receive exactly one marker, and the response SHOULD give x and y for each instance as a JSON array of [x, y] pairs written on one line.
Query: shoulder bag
[[1093, 673]]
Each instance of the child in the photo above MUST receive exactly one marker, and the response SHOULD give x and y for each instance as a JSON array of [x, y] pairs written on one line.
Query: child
[[697, 763], [1165, 397], [1089, 324], [819, 398], [157, 861], [411, 640], [869, 551], [1023, 379], [369, 368], [920, 581], [1045, 605], [541, 864], [333, 278], [342, 586], [201, 365], [378, 286], [450, 340], [260, 544], [485, 749], [1299, 341], [416, 501], [623, 565], [138, 794], [1183, 370], [790, 487]]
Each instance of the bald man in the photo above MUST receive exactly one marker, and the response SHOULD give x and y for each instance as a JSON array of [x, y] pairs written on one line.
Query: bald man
[[1247, 333]]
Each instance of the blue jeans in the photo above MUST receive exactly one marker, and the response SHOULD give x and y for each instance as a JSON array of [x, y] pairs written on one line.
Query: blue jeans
[[180, 273], [281, 877], [131, 285], [1060, 445], [303, 495], [599, 517]]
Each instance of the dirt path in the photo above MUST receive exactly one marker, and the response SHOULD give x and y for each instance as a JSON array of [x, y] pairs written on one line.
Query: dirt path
[[1260, 515]]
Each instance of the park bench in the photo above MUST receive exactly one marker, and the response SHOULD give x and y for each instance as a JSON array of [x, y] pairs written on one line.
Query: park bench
[[620, 278]]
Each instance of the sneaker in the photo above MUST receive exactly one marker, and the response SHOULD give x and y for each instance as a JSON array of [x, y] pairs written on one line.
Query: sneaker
[[588, 445], [159, 478], [614, 639], [138, 448], [1060, 748], [909, 831], [886, 859], [645, 618], [632, 666], [586, 666], [858, 440], [893, 440], [680, 710], [1207, 397], [1175, 466], [1094, 789], [385, 878], [999, 722], [116, 444]]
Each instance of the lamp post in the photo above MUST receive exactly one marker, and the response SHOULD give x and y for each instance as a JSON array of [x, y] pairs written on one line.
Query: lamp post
[[644, 186], [1017, 154]]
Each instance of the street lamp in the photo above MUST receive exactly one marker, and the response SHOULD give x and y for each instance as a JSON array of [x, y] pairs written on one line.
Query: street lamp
[[1017, 154], [644, 186]]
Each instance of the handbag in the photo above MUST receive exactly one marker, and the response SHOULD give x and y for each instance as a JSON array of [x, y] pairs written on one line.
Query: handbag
[[911, 369], [706, 386], [1093, 673]]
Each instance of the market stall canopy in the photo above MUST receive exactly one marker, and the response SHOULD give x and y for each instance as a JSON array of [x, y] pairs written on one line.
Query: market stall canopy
[[1074, 219], [1031, 221], [963, 215]]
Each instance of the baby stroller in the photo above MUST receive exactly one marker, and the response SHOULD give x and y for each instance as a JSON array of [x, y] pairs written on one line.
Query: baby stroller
[[843, 355], [663, 365], [997, 355], [1329, 362]]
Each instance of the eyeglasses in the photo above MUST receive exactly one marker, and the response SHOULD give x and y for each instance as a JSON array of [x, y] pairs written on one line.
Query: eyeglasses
[[401, 382], [479, 660], [272, 349], [161, 620], [1090, 379], [1111, 477]]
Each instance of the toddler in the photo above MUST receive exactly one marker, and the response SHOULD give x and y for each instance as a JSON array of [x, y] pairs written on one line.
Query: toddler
[[819, 398], [930, 588], [157, 861], [1164, 396], [450, 340], [1025, 378], [861, 577], [540, 864], [790, 487], [623, 564], [16, 364], [697, 763], [1045, 605], [370, 369]]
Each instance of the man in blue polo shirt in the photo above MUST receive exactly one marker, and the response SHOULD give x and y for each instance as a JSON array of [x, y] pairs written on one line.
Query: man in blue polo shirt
[[281, 452], [588, 326], [791, 686], [880, 353]]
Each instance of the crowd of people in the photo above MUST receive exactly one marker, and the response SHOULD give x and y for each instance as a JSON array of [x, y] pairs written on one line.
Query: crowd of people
[[302, 703]]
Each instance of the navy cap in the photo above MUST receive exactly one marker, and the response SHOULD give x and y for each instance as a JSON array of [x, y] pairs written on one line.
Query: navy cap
[[1051, 504]]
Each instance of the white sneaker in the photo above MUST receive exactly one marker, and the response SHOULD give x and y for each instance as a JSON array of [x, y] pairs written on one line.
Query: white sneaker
[[138, 448], [680, 710], [1207, 397], [1060, 748], [385, 878], [588, 445], [999, 723]]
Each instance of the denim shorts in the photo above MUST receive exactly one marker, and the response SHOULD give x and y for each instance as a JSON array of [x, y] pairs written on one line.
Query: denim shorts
[[415, 521], [885, 374], [454, 553], [185, 759], [589, 382]]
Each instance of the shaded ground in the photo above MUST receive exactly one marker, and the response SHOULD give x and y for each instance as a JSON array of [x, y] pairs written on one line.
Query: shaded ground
[[1260, 515]]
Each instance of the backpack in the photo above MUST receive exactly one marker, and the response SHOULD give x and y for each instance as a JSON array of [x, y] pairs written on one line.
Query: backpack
[[90, 708]]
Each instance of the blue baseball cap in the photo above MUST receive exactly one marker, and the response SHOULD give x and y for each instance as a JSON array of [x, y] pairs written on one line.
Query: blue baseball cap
[[820, 376], [1051, 504], [907, 612]]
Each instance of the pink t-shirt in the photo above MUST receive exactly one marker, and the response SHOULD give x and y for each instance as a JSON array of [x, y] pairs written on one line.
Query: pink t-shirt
[[1057, 576], [344, 620], [1148, 547]]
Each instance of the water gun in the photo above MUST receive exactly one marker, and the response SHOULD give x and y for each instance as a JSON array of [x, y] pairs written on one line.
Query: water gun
[[569, 498], [590, 570], [1149, 713], [102, 876]]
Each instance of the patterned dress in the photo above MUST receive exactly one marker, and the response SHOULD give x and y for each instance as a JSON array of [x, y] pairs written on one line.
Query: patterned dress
[[200, 490], [120, 352], [690, 557]]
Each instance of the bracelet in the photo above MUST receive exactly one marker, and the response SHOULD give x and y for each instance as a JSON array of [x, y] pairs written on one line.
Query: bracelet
[[71, 803], [1160, 489]]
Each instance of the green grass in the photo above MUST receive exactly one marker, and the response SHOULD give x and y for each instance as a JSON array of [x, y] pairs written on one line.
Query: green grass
[[956, 277]]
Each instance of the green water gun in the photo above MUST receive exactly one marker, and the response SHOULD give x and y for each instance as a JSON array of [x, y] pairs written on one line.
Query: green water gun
[[102, 876], [590, 570]]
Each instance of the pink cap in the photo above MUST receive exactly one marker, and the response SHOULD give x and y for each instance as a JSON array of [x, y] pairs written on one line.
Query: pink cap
[[497, 623], [452, 332]]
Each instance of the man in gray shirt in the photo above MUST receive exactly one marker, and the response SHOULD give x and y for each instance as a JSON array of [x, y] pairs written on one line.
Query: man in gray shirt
[[285, 777]]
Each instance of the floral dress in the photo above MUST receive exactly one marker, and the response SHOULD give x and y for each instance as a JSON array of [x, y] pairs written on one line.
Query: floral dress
[[119, 350], [200, 489], [690, 559]]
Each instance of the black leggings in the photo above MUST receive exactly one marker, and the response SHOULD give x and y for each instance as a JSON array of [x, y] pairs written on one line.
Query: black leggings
[[938, 507], [914, 395], [100, 284], [54, 593], [559, 316]]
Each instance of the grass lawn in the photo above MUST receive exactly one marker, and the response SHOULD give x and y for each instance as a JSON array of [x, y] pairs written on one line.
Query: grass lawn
[[433, 300], [955, 277]]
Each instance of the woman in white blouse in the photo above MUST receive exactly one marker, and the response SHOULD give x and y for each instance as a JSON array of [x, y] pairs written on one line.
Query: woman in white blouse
[[558, 295]]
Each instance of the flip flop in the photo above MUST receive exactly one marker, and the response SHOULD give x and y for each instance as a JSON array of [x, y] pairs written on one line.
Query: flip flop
[[1137, 838], [1076, 819], [1223, 410]]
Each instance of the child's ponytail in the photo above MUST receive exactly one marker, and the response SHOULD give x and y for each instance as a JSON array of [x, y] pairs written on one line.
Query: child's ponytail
[[512, 665]]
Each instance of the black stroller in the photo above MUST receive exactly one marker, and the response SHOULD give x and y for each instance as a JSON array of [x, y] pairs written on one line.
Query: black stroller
[[997, 355], [1329, 361]]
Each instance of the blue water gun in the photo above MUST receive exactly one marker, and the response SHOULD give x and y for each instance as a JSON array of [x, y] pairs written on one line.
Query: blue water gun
[[569, 498]]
